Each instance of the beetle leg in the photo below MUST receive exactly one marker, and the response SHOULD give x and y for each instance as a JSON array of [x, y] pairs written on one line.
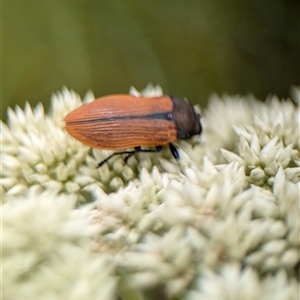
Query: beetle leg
[[139, 149], [136, 149], [174, 151], [101, 163], [129, 154]]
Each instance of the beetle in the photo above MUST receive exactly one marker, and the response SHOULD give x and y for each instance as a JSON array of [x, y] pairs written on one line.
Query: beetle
[[119, 122]]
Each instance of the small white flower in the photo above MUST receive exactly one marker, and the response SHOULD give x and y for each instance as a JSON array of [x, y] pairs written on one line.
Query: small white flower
[[149, 91]]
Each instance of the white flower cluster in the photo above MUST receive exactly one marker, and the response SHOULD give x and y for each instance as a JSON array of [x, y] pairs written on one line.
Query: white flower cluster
[[221, 223], [46, 253]]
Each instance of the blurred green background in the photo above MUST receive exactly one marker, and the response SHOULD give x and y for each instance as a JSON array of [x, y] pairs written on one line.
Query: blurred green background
[[191, 48]]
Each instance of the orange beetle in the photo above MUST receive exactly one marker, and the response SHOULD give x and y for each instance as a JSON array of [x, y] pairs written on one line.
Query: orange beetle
[[118, 122]]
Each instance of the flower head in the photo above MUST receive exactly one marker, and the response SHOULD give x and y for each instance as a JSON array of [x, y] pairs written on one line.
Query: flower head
[[223, 221]]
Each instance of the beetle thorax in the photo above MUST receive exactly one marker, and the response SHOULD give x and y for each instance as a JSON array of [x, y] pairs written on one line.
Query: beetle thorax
[[186, 119]]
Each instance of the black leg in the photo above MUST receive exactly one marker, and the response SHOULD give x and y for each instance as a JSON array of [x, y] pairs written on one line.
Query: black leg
[[137, 149], [174, 151], [129, 154], [101, 163]]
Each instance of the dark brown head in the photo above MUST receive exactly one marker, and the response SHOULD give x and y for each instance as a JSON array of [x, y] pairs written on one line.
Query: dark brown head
[[187, 121]]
